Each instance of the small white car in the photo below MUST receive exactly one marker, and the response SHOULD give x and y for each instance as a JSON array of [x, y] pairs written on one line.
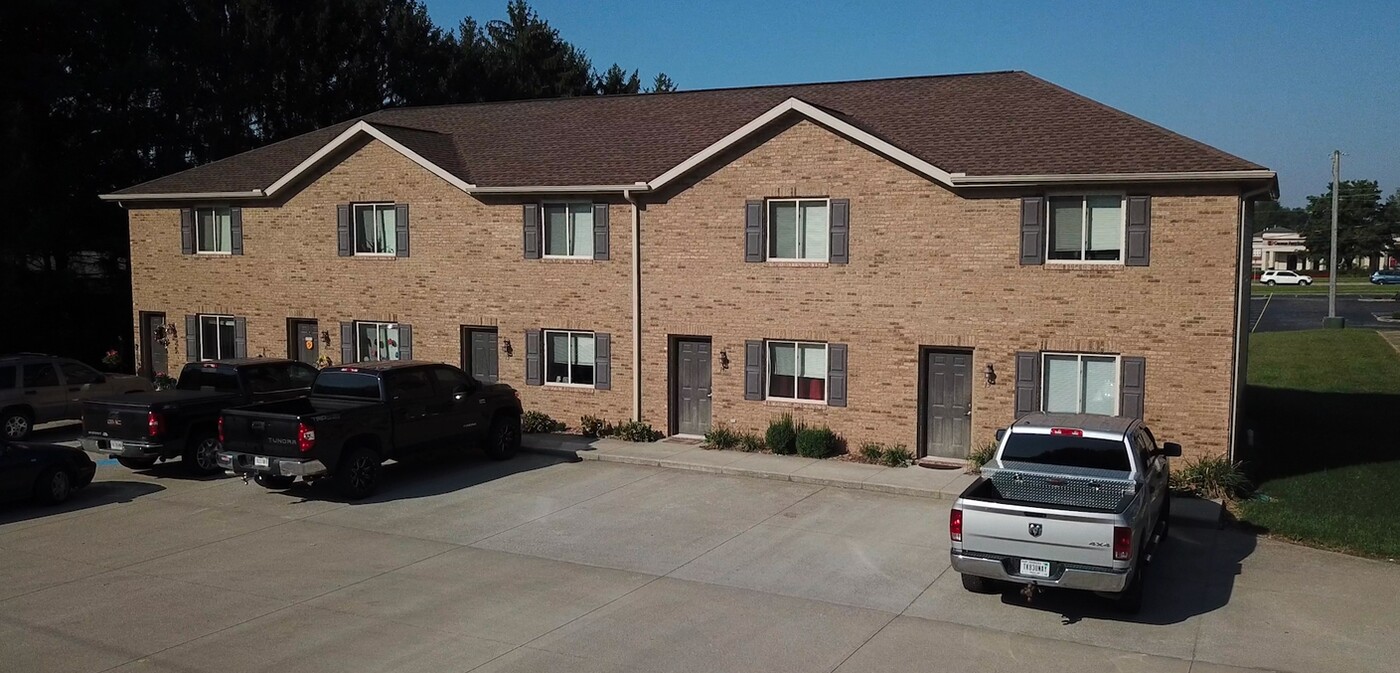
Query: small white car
[[1284, 278]]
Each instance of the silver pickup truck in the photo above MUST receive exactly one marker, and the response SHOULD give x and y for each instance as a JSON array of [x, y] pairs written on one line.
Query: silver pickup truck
[[1074, 501]]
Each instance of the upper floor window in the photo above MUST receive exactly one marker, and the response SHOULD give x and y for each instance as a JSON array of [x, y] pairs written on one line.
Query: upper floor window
[[213, 231], [218, 336], [375, 341], [1085, 228], [568, 230], [798, 229], [1080, 384], [375, 229], [569, 358], [797, 371]]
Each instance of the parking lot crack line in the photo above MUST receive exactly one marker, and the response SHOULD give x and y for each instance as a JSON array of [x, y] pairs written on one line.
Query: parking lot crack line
[[755, 525], [863, 644], [473, 543]]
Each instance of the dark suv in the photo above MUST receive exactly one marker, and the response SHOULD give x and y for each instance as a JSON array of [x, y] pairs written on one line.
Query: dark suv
[[37, 388]]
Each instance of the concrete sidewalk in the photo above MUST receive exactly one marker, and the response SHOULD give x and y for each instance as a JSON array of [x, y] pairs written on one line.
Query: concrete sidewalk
[[684, 455]]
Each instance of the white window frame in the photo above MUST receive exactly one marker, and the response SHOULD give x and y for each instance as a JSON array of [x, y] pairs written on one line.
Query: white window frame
[[1084, 228], [375, 206], [768, 225], [768, 370], [217, 211], [546, 359], [199, 337], [569, 226], [1079, 378], [378, 324]]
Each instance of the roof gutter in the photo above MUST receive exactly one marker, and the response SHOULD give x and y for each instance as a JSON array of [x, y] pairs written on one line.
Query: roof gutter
[[565, 189], [250, 194], [631, 197], [961, 180], [1241, 354]]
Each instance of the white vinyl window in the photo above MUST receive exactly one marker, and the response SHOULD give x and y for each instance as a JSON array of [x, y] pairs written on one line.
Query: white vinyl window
[[375, 233], [796, 371], [1080, 384], [1086, 228], [799, 229], [217, 336], [213, 231], [376, 341], [568, 230], [569, 358]]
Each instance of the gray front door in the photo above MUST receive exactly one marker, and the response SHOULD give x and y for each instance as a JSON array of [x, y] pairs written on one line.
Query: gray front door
[[154, 356], [947, 403], [479, 354], [692, 386], [304, 346]]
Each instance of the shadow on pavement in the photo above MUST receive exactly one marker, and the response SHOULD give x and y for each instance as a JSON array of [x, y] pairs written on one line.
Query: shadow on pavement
[[427, 477], [96, 494]]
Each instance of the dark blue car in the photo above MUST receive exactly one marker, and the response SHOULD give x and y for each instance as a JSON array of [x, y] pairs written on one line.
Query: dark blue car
[[46, 473], [1386, 277]]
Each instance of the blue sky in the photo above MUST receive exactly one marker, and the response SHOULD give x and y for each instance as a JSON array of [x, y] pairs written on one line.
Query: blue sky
[[1279, 83]]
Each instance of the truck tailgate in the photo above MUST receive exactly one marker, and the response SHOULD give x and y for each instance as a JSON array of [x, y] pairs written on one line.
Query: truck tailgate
[[261, 433], [1038, 533]]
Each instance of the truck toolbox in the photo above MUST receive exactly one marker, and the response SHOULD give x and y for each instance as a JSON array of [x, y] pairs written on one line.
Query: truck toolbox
[[1108, 490]]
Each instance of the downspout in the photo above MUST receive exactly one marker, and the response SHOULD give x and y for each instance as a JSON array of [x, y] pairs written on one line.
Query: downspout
[[1240, 371], [636, 304]]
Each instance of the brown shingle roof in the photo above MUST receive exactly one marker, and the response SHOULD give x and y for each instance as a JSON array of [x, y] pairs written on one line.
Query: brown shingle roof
[[1003, 123]]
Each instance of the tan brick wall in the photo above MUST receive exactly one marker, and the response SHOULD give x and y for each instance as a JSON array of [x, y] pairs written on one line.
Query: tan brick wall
[[466, 268], [929, 268]]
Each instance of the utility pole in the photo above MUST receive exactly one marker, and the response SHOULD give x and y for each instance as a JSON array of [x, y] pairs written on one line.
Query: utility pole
[[1332, 320]]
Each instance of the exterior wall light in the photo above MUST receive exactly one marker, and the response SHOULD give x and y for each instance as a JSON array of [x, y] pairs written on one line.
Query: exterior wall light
[[991, 373], [724, 359], [509, 349]]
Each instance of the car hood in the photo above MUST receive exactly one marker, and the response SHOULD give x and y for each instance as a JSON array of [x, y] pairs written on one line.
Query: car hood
[[47, 451]]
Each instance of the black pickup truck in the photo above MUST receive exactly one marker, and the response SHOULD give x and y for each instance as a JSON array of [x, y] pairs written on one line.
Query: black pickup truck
[[141, 428], [359, 416]]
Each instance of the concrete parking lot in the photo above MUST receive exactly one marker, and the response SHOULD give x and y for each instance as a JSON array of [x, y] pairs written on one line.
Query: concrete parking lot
[[1282, 313], [542, 565]]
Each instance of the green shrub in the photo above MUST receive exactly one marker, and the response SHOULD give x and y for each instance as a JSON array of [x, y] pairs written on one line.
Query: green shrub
[[817, 442], [897, 456], [981, 456], [872, 452], [534, 421], [1212, 477], [721, 438], [750, 442], [782, 435], [592, 426], [637, 431]]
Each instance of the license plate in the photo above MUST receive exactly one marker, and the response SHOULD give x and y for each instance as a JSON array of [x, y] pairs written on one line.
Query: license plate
[[261, 461], [1035, 568], [115, 446]]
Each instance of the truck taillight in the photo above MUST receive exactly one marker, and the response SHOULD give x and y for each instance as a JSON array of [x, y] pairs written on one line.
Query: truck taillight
[[306, 437], [955, 525], [155, 424], [1122, 543], [221, 429]]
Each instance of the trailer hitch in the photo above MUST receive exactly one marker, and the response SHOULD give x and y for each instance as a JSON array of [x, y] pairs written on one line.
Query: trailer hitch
[[1030, 591], [246, 477]]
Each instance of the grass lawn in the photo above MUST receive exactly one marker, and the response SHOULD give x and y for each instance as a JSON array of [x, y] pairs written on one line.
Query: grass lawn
[[1323, 405], [1348, 288]]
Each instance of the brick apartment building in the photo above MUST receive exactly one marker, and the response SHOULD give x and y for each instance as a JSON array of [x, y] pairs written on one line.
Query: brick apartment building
[[911, 261]]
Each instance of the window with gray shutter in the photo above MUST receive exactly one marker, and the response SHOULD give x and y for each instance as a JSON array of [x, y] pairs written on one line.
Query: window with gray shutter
[[401, 229], [347, 343], [191, 338], [1032, 230], [1139, 231], [187, 231], [342, 232], [753, 370], [534, 372], [836, 375], [600, 231], [1131, 393], [840, 250], [240, 337], [602, 361], [1027, 383], [531, 221], [235, 218], [753, 232], [405, 342]]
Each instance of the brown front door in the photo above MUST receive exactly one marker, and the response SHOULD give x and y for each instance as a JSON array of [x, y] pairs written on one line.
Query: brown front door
[[154, 356], [302, 344], [691, 386], [947, 397]]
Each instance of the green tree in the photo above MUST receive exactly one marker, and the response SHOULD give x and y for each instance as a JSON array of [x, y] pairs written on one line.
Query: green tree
[[616, 80], [662, 84], [1363, 228], [526, 58], [1272, 214]]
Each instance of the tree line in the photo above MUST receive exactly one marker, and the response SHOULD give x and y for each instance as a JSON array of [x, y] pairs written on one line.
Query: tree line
[[1367, 221], [101, 94]]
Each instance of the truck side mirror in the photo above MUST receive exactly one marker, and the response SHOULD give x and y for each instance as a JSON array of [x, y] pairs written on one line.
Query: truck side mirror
[[1170, 450], [460, 393], [1001, 432]]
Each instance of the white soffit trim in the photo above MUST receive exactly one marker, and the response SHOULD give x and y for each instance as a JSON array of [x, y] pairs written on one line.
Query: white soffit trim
[[818, 115], [252, 194], [559, 189], [358, 127], [1188, 176]]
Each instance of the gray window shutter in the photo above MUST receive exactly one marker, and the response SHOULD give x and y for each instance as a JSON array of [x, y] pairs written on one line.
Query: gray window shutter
[[836, 375], [1134, 377], [840, 231], [534, 374], [235, 227], [342, 230], [191, 338], [1032, 230], [401, 230], [532, 230], [187, 231], [1139, 243], [240, 337], [347, 343], [405, 342], [600, 231], [753, 370], [1027, 383], [602, 361], [753, 231]]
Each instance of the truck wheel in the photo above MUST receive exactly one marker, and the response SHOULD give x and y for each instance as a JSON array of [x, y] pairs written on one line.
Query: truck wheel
[[274, 482], [357, 474], [202, 454], [16, 424], [1129, 601], [978, 585], [503, 440], [54, 486], [136, 463]]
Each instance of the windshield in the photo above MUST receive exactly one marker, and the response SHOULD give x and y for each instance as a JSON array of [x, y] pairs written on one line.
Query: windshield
[[346, 384], [1068, 451], [219, 379]]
